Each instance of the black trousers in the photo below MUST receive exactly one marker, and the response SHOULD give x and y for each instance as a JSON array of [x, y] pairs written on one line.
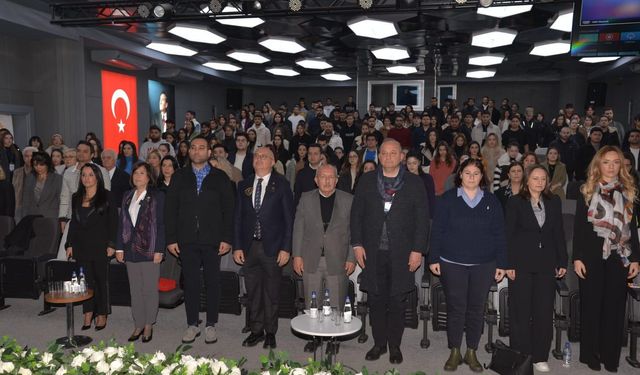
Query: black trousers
[[466, 289], [603, 295], [387, 311], [531, 297], [262, 278], [96, 274], [193, 257]]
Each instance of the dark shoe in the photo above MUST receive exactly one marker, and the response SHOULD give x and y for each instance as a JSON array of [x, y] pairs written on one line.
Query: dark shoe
[[375, 353], [84, 328], [395, 355], [134, 336], [253, 339], [147, 338], [455, 360], [594, 366], [100, 328], [471, 359], [311, 346], [269, 341], [611, 368]]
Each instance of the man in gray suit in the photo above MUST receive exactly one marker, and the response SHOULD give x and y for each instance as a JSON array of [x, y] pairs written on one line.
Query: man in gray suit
[[322, 253]]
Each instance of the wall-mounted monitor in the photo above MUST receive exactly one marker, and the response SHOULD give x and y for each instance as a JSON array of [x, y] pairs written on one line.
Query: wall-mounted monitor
[[605, 28]]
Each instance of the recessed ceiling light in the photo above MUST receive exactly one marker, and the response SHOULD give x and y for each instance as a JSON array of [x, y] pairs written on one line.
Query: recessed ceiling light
[[556, 47], [563, 21], [493, 38], [336, 77], [247, 56], [595, 60], [402, 69], [481, 73], [391, 53], [172, 48], [248, 22], [197, 33], [486, 59], [281, 44], [372, 28], [282, 71], [313, 64], [504, 11], [222, 65]]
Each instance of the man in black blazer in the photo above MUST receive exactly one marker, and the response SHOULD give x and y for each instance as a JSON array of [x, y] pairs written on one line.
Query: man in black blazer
[[389, 229], [243, 157], [119, 179], [262, 243], [199, 229]]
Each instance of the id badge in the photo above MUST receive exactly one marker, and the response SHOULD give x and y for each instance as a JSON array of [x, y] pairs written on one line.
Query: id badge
[[387, 206], [12, 167]]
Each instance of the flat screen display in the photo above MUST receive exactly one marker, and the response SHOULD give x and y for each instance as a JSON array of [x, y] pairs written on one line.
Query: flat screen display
[[609, 12]]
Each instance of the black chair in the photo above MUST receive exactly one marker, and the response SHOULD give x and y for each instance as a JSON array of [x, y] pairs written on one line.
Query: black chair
[[6, 226], [118, 286], [171, 269], [491, 317], [23, 276], [57, 270], [425, 308], [633, 312]]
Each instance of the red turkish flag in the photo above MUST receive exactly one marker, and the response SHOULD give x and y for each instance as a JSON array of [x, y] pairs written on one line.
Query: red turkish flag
[[119, 109]]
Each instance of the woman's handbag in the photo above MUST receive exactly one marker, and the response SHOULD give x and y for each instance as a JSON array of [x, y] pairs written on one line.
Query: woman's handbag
[[507, 361]]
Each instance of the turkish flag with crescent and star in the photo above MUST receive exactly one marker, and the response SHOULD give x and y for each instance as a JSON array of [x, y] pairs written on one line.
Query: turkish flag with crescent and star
[[119, 109]]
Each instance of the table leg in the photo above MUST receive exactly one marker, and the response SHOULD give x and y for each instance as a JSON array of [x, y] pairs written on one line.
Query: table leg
[[71, 340]]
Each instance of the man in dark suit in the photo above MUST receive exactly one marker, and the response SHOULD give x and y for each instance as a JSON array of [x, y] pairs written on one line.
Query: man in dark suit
[[242, 158], [322, 253], [262, 243], [119, 179], [305, 179], [389, 229], [199, 229]]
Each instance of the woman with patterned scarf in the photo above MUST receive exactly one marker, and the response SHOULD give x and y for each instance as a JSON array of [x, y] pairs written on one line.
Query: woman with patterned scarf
[[140, 243], [605, 255]]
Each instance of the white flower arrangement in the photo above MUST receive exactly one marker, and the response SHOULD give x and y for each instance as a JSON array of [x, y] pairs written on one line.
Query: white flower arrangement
[[113, 359]]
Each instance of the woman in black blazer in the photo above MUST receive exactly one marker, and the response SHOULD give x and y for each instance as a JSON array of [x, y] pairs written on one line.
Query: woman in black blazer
[[604, 266], [42, 188], [537, 256], [91, 240]]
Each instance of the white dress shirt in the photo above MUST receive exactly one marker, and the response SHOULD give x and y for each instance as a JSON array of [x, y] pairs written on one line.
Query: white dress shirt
[[134, 206], [265, 182]]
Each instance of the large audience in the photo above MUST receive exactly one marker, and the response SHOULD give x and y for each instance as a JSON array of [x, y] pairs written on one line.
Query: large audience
[[484, 181]]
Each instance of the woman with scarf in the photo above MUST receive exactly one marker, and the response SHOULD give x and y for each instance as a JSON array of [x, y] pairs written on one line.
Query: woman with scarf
[[140, 244], [605, 255]]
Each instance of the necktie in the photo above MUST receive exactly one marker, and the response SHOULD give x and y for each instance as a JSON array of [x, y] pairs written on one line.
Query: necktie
[[257, 233]]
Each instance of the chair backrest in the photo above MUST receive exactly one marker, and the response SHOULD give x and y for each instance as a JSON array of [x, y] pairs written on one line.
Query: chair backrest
[[6, 226], [47, 237], [170, 268]]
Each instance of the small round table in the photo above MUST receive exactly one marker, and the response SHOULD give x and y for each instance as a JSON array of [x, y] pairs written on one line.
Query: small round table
[[325, 329], [68, 299]]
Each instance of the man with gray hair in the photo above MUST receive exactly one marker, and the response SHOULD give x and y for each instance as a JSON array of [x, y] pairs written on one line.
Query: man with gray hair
[[322, 252], [119, 178], [19, 176]]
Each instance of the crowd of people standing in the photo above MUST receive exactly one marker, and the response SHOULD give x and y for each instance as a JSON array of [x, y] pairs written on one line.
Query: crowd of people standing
[[332, 192]]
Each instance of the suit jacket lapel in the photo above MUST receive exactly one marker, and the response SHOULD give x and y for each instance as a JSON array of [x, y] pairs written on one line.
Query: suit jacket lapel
[[270, 188], [316, 210], [334, 212]]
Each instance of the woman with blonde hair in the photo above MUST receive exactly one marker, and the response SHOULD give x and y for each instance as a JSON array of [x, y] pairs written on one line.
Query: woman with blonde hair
[[491, 151], [605, 255]]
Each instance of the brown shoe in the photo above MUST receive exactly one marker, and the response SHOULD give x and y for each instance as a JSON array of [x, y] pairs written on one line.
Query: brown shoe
[[455, 360], [471, 360]]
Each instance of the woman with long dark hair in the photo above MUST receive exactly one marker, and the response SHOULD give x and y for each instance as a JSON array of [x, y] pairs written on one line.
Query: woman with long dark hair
[[127, 156], [36, 142], [280, 151], [297, 163], [442, 166], [468, 252], [168, 167], [414, 166], [349, 172], [140, 243], [605, 256], [182, 155], [557, 172], [301, 137], [515, 185], [537, 256], [42, 188], [91, 240], [429, 150]]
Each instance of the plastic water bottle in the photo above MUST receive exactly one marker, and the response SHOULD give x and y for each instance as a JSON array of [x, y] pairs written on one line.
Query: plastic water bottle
[[82, 281], [74, 282], [326, 304], [566, 355], [313, 309], [347, 310]]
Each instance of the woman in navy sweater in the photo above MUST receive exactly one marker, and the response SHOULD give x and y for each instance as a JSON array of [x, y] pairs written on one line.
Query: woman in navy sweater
[[468, 252]]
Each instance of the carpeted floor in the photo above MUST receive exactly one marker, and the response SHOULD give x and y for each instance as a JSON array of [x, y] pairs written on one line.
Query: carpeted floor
[[22, 322]]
